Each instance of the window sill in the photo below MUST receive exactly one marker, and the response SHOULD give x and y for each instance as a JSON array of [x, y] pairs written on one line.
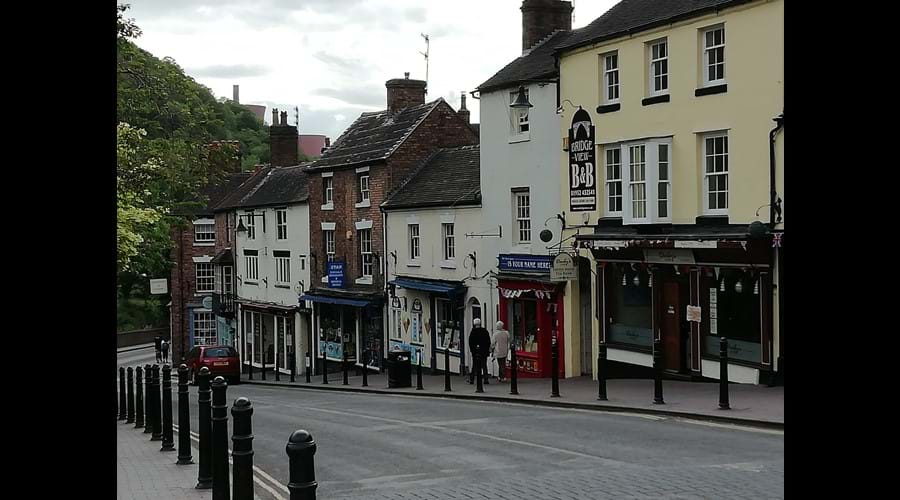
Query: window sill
[[608, 108], [711, 89], [283, 285], [364, 204], [367, 280], [254, 283], [711, 220], [519, 138], [655, 99], [204, 243], [329, 206], [202, 294], [448, 264], [413, 263]]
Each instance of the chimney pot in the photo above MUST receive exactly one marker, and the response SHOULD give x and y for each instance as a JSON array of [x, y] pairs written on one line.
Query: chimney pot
[[274, 116], [404, 92], [406, 75]]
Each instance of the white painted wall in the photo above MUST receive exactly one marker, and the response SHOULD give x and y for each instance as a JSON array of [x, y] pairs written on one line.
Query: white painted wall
[[736, 373]]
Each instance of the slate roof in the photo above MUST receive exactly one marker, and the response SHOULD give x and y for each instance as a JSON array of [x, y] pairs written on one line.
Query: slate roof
[[374, 136], [448, 177], [632, 16], [269, 186], [538, 64]]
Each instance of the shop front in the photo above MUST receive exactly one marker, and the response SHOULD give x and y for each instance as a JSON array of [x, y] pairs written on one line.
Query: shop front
[[269, 335], [687, 294], [347, 322], [426, 319], [532, 307]]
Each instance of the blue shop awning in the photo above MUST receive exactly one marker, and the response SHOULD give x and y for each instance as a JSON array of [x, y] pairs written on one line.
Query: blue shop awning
[[428, 286], [335, 300]]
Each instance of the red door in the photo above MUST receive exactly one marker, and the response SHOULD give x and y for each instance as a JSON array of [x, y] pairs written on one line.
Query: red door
[[670, 316]]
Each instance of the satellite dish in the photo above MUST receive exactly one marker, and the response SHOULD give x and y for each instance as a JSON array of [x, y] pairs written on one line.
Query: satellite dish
[[546, 235]]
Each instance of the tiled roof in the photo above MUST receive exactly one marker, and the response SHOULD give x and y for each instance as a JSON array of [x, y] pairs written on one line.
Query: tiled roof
[[538, 64], [269, 186], [632, 16], [448, 177], [374, 136]]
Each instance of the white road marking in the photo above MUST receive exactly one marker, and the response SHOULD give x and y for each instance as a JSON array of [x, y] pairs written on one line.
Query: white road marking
[[776, 432]]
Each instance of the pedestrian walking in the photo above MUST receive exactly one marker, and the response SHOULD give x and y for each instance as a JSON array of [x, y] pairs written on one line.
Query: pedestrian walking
[[164, 346], [479, 338], [500, 349], [158, 342]]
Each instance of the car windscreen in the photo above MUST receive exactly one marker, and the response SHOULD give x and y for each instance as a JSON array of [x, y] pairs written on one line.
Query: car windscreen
[[220, 352]]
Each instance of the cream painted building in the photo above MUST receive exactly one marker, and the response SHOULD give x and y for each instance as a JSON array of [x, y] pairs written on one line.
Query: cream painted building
[[684, 98]]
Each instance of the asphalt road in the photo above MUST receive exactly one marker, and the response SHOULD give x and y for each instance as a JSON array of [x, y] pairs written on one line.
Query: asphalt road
[[373, 446]]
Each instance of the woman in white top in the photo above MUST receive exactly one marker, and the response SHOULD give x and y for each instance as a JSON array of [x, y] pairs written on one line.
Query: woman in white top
[[500, 348]]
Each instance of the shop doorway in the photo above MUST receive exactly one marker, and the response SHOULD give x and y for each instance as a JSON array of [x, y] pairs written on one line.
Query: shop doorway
[[674, 329]]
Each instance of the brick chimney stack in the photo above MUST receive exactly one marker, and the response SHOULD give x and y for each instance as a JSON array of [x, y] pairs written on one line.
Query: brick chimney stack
[[463, 112], [236, 94], [403, 93], [283, 141], [542, 17]]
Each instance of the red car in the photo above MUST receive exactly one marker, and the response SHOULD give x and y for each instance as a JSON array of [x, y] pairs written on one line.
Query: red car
[[220, 359]]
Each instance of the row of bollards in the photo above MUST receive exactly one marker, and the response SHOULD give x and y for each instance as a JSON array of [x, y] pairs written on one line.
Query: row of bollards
[[153, 413]]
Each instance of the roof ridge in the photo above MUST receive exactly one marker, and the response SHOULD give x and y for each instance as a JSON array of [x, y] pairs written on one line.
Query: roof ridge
[[416, 171], [542, 41]]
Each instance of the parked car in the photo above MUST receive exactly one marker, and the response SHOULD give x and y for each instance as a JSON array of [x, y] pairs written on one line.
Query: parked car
[[220, 359]]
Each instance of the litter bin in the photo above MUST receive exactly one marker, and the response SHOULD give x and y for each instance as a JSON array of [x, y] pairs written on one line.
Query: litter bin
[[399, 369]]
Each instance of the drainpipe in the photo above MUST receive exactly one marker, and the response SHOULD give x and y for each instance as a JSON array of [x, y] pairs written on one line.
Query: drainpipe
[[773, 195]]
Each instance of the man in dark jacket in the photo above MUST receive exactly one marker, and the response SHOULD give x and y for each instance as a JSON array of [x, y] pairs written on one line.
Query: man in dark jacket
[[480, 342], [158, 342]]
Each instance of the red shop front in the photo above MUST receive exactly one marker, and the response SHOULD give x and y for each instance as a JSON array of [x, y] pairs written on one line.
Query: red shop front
[[530, 310]]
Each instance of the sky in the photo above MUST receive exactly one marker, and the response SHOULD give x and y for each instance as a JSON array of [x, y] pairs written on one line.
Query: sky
[[331, 58]]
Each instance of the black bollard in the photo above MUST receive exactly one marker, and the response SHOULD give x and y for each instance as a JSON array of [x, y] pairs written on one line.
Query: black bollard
[[123, 404], [346, 380], [221, 483], [293, 365], [447, 370], [301, 450], [365, 368], [130, 398], [148, 401], [250, 366], [419, 374], [263, 360], [168, 442], [242, 450], [204, 474], [308, 367], [513, 369], [277, 372], [184, 418], [157, 405], [554, 365], [601, 372], [479, 387], [324, 367], [139, 398], [723, 374], [657, 373]]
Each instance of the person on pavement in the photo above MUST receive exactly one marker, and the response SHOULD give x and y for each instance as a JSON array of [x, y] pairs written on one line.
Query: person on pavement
[[480, 342], [158, 342], [165, 351], [500, 348]]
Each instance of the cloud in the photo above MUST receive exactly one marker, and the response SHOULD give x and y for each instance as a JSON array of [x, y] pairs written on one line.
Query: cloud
[[229, 71], [366, 96], [415, 14]]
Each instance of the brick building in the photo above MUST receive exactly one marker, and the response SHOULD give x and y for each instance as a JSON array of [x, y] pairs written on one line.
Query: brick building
[[347, 185]]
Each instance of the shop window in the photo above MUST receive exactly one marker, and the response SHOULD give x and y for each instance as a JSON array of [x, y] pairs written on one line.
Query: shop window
[[447, 326], [734, 313], [629, 301], [330, 332], [204, 328], [396, 323], [371, 336], [524, 325]]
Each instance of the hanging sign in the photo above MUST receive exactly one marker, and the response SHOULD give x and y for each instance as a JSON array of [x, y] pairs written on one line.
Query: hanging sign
[[159, 287], [563, 268], [417, 305], [582, 163], [533, 263], [668, 256]]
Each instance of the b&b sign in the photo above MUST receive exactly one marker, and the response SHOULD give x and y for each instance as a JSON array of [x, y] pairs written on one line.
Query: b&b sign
[[582, 163]]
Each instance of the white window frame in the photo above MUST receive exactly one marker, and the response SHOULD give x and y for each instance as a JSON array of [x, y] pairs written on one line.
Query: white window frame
[[281, 224], [251, 266], [522, 215], [328, 195], [397, 326], [205, 324], [610, 73], [367, 260], [364, 189], [227, 280], [448, 243], [204, 223], [706, 175], [328, 238], [663, 178], [650, 180], [251, 224], [518, 118], [208, 276], [613, 194], [282, 267], [663, 61], [414, 248], [706, 48]]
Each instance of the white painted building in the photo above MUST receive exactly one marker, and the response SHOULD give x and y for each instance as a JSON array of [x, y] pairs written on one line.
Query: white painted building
[[432, 264]]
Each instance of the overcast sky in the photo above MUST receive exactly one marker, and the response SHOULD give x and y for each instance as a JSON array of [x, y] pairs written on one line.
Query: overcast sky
[[332, 57]]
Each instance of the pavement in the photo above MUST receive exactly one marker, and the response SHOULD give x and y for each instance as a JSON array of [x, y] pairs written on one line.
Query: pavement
[[754, 405]]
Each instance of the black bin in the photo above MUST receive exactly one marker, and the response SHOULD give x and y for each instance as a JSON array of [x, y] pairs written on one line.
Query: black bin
[[399, 369]]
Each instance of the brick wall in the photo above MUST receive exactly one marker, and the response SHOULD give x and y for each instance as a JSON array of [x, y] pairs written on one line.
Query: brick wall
[[542, 17], [184, 283]]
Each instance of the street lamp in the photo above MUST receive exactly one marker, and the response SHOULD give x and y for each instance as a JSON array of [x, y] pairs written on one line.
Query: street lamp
[[241, 228], [521, 101]]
